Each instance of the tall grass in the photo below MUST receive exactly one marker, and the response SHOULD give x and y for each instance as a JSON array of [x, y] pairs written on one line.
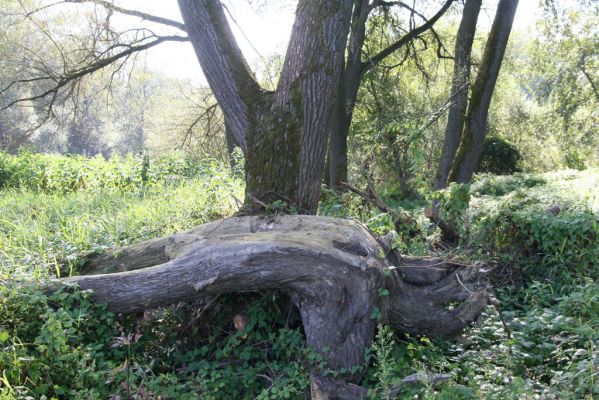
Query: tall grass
[[41, 227]]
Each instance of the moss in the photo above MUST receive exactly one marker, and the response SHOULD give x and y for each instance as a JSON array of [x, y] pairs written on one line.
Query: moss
[[272, 163]]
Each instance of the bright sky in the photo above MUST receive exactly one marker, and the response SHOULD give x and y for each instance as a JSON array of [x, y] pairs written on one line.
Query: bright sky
[[260, 33]]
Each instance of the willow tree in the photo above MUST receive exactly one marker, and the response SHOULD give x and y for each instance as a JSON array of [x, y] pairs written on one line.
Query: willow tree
[[283, 134], [333, 269]]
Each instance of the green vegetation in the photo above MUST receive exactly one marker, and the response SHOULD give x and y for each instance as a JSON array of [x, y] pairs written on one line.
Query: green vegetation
[[144, 154], [540, 343]]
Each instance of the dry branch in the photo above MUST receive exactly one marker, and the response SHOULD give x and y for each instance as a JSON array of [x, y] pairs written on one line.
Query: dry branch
[[450, 235], [401, 219]]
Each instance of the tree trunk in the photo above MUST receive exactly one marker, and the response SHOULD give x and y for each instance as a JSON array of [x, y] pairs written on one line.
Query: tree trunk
[[353, 73], [231, 144], [331, 268], [338, 156], [473, 137], [284, 134], [459, 88], [346, 97]]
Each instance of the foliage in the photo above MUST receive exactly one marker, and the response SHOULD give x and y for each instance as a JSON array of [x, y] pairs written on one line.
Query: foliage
[[63, 350], [519, 226], [499, 157], [65, 346], [49, 173], [349, 205], [103, 204], [541, 343], [453, 203]]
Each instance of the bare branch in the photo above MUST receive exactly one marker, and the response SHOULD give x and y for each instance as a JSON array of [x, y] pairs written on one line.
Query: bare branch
[[89, 69], [408, 37], [134, 13]]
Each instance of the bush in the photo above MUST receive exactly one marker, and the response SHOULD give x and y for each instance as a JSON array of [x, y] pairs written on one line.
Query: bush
[[517, 228], [499, 185], [499, 157]]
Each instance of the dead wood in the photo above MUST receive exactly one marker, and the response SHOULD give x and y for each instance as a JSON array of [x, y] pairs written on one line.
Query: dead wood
[[450, 235], [332, 269], [401, 219]]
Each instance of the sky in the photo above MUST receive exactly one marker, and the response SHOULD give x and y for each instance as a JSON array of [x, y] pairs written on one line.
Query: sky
[[260, 31]]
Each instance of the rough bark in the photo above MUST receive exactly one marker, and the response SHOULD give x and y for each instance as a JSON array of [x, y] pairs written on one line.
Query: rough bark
[[459, 88], [332, 269], [284, 134], [231, 144], [473, 136], [309, 80]]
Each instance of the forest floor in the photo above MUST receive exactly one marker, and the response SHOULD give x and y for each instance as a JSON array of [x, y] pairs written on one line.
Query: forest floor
[[538, 233]]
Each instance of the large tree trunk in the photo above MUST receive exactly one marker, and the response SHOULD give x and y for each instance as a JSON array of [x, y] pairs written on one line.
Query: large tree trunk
[[473, 137], [286, 161], [332, 269], [459, 89], [283, 134]]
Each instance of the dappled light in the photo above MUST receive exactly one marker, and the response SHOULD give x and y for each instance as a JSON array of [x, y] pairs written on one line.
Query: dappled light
[[272, 199]]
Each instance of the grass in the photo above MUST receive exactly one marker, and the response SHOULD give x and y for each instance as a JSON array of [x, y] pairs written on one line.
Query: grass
[[541, 343], [37, 230]]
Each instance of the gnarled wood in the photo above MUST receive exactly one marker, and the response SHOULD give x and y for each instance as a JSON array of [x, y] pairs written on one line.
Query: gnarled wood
[[332, 269]]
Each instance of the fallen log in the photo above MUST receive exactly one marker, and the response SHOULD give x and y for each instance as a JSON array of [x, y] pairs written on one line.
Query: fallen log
[[333, 269], [402, 221], [449, 235]]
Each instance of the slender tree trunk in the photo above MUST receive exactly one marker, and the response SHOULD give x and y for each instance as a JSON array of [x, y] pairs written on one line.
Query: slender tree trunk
[[459, 88], [337, 162], [473, 137], [346, 97], [354, 71]]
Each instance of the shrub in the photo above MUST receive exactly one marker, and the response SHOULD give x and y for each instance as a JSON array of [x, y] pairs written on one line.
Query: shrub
[[499, 157]]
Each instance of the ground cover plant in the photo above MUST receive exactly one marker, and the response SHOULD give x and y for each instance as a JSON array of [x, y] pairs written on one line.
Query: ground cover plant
[[540, 342]]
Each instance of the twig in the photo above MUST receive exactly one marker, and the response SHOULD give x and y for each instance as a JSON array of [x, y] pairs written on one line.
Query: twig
[[419, 377]]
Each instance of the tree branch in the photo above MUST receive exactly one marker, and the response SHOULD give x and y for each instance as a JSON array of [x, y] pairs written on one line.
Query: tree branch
[[226, 69], [401, 219], [134, 13], [590, 79], [89, 69], [411, 35]]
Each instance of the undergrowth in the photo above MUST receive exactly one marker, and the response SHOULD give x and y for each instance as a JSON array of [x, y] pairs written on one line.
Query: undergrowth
[[540, 343]]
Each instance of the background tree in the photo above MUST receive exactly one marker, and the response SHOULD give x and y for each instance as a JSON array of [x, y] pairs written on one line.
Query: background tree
[[473, 136], [358, 63], [459, 89]]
